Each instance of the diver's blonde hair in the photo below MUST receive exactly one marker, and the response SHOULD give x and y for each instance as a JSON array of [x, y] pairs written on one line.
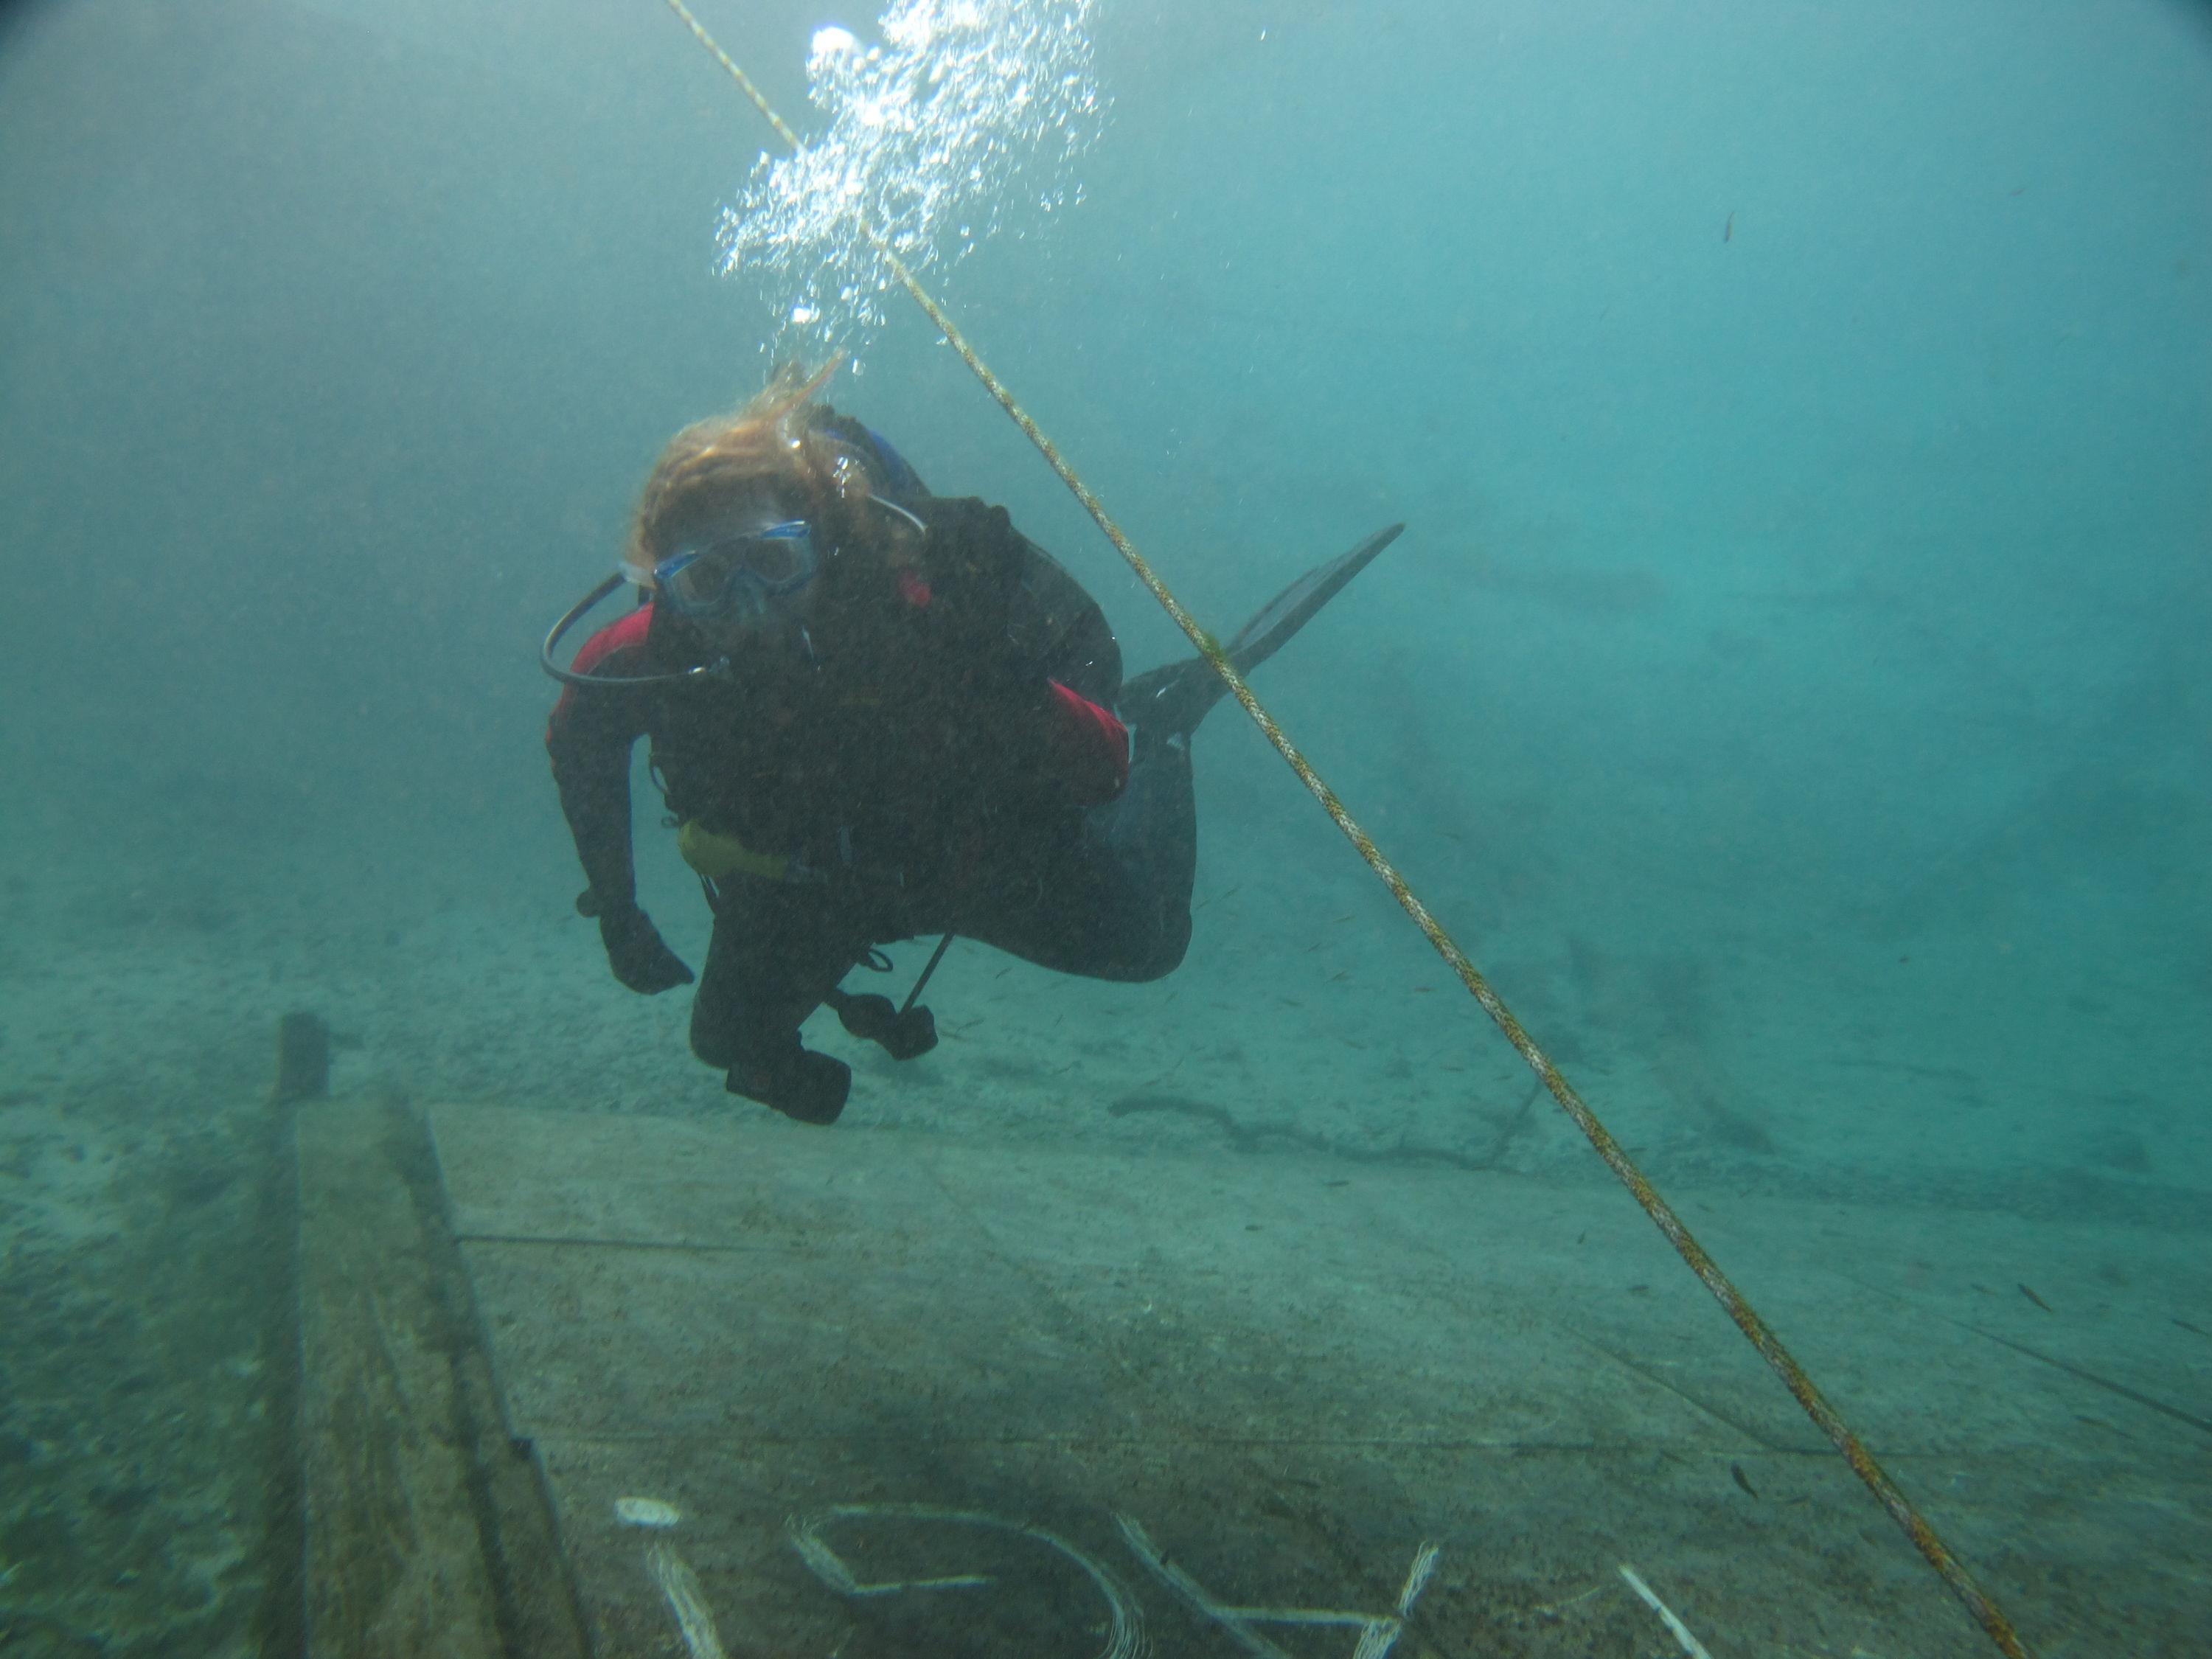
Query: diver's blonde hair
[[773, 442]]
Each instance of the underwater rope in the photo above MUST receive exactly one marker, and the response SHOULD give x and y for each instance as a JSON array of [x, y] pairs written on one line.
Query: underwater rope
[[1779, 1359]]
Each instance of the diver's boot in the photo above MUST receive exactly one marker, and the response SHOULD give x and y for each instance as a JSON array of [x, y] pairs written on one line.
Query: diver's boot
[[1168, 701], [797, 1082]]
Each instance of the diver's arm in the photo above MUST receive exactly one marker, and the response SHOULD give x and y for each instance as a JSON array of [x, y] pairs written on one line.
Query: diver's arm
[[592, 775], [591, 766], [588, 740]]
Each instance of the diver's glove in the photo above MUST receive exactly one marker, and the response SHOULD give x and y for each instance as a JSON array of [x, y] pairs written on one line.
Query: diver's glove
[[635, 950], [905, 1033]]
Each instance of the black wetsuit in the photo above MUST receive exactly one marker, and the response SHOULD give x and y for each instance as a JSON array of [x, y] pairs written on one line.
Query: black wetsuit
[[946, 763]]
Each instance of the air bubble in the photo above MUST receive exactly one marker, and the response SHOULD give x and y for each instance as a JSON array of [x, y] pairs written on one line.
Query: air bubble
[[971, 110]]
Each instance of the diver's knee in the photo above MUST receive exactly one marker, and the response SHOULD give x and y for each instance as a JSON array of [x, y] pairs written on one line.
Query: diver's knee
[[1162, 954], [1170, 955], [717, 1035], [711, 1048]]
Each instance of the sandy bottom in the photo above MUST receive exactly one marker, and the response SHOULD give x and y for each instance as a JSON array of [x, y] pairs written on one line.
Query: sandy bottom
[[139, 1409], [1300, 1375]]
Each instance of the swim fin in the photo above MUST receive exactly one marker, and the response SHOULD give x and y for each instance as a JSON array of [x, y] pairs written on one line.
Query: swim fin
[[1171, 700]]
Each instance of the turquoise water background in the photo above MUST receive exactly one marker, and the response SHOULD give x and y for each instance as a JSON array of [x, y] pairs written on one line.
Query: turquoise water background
[[1791, 687], [1800, 415]]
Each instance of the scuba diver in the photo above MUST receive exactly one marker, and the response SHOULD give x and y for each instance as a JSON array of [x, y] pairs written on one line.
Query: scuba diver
[[875, 713]]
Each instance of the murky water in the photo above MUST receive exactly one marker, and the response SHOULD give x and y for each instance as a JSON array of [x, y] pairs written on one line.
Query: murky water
[[1788, 688]]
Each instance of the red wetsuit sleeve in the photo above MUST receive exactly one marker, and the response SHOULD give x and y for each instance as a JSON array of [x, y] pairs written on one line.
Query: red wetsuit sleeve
[[588, 740], [1089, 746]]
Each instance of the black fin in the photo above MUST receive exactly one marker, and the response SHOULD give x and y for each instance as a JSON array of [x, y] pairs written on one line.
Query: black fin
[[1296, 605], [1176, 696]]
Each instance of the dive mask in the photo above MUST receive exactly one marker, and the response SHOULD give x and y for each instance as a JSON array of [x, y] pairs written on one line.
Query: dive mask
[[737, 575]]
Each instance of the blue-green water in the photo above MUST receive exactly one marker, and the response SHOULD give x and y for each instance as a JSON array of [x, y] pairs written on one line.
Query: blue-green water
[[1790, 687]]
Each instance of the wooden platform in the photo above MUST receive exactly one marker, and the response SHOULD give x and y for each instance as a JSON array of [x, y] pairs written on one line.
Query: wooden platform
[[644, 1388]]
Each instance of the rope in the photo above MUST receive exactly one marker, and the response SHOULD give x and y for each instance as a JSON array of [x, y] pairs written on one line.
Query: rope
[[1948, 1565]]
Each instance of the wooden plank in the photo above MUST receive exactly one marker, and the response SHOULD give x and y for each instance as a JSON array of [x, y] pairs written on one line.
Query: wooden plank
[[886, 1393], [427, 1534]]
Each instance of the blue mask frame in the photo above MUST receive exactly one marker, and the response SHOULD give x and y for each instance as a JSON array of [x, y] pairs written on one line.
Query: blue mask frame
[[739, 575]]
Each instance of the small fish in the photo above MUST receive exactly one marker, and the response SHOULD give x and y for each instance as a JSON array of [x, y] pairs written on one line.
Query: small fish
[[2035, 1299], [1736, 1474], [1728, 234], [1336, 1183], [1341, 973], [2186, 1326]]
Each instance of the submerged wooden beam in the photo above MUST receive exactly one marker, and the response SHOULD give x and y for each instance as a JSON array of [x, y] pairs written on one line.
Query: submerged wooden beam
[[427, 1534]]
